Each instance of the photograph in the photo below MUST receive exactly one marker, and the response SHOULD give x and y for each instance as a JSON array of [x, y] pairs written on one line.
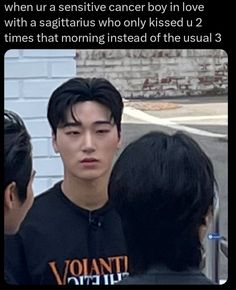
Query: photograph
[[115, 166]]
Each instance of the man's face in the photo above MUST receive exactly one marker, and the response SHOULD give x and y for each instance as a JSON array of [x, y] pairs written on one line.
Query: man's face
[[87, 147]]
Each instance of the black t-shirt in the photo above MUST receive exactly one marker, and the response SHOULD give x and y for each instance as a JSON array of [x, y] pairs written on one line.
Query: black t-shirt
[[61, 243]]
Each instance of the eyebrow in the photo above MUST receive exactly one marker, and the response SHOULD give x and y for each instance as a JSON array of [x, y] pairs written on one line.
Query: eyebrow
[[79, 124]]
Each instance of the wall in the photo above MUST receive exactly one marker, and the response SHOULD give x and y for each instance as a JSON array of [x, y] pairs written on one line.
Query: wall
[[30, 78], [158, 73]]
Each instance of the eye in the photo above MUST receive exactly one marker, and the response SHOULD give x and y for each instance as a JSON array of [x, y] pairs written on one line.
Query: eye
[[103, 131], [71, 133]]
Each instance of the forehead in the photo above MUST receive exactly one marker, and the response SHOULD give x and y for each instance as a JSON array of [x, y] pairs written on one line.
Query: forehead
[[89, 111]]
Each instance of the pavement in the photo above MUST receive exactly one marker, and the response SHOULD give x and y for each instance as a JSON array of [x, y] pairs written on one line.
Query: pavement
[[155, 105], [193, 106], [180, 113]]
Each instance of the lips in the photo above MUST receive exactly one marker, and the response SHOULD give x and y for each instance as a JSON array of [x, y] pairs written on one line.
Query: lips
[[89, 160]]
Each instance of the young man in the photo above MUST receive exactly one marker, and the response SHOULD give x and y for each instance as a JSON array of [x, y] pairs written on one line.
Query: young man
[[18, 176], [163, 188], [72, 234]]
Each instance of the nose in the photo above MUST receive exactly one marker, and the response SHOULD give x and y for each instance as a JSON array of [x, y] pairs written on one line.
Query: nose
[[88, 145]]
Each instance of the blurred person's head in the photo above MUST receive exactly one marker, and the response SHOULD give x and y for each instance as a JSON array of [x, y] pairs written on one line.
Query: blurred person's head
[[163, 188], [18, 174]]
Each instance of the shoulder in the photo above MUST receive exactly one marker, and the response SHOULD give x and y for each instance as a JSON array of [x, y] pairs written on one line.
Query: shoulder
[[49, 193], [168, 279], [52, 193], [45, 204]]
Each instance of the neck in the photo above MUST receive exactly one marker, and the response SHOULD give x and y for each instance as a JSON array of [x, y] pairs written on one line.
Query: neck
[[88, 194]]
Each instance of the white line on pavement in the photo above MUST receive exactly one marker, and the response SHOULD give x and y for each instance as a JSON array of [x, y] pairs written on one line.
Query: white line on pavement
[[132, 112], [192, 118]]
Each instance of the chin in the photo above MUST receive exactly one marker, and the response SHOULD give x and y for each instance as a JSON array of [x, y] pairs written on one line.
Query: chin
[[91, 175]]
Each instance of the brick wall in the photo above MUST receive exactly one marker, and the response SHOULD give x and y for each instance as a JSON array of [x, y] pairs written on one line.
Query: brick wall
[[157, 73], [30, 78]]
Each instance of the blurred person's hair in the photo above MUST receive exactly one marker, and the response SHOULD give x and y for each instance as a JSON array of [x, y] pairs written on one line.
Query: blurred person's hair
[[17, 153]]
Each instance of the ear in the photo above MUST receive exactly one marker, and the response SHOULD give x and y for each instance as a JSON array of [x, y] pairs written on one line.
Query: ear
[[10, 195], [120, 141], [54, 142], [203, 227], [208, 218]]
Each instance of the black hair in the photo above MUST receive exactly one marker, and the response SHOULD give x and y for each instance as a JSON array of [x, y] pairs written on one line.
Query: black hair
[[163, 186], [77, 90], [17, 153]]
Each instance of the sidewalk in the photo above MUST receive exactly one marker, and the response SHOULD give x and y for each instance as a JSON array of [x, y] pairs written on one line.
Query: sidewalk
[[152, 105], [205, 106], [188, 114]]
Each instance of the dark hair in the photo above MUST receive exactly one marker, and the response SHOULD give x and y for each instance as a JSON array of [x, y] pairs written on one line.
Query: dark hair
[[163, 186], [80, 90], [17, 153]]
